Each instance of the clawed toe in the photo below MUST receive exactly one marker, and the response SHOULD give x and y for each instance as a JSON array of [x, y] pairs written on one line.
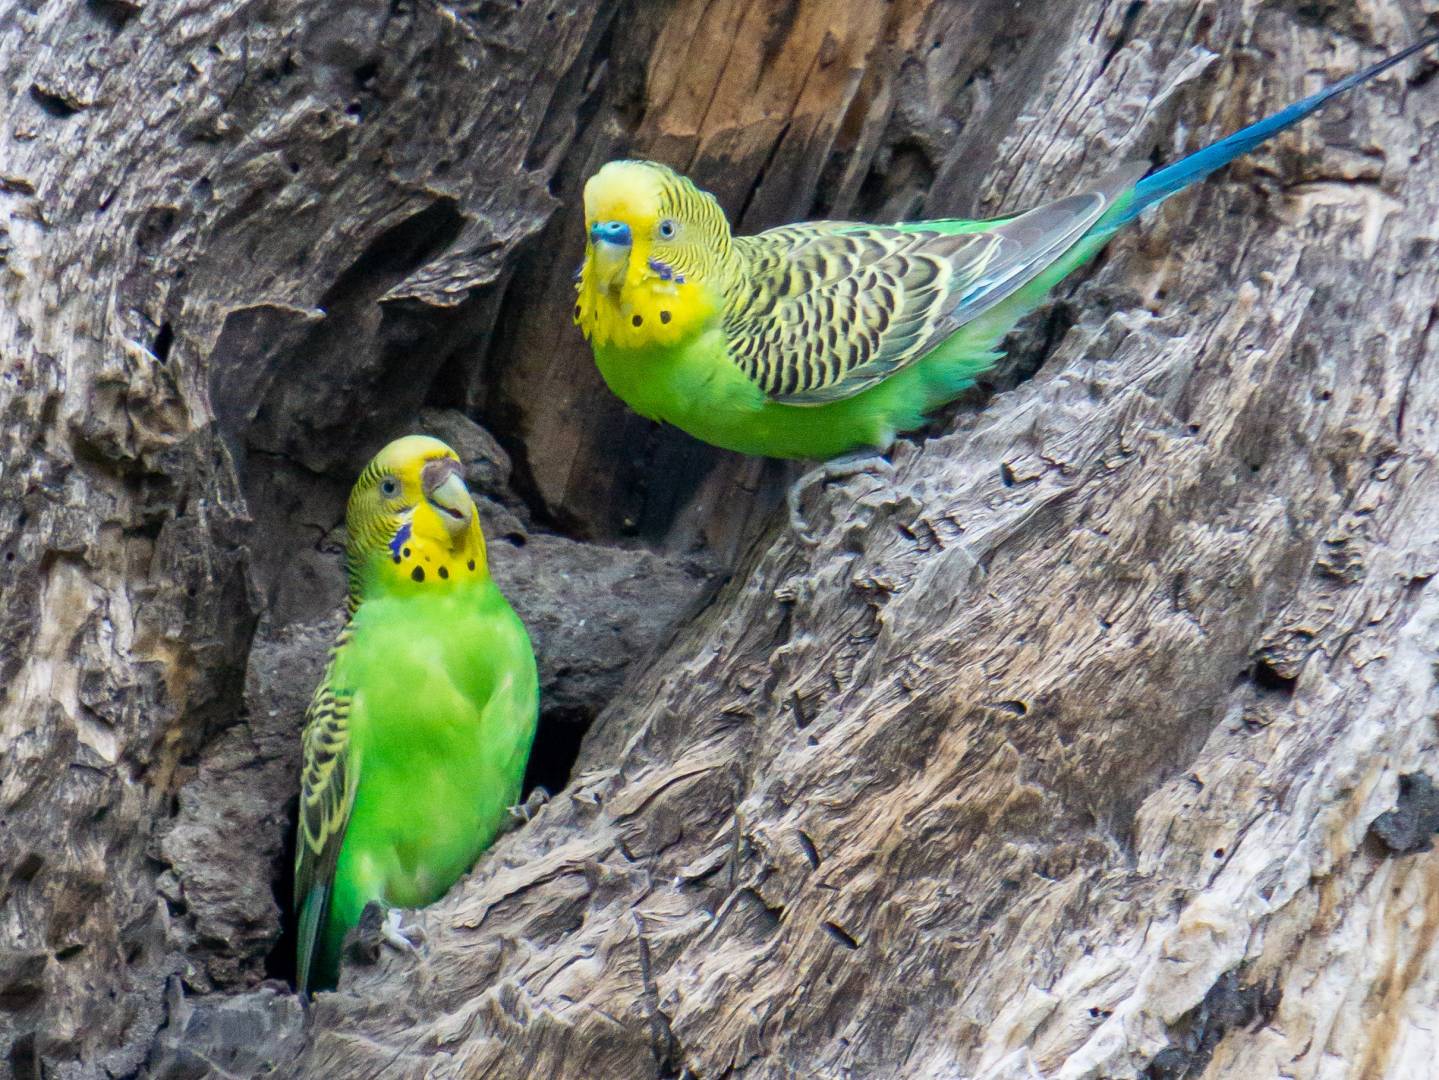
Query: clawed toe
[[380, 926], [399, 937], [523, 813]]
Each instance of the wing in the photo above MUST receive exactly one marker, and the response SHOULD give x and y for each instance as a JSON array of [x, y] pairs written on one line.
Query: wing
[[833, 307], [327, 792]]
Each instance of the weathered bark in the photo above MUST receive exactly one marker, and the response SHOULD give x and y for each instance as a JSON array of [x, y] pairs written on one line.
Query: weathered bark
[[1057, 754], [241, 240]]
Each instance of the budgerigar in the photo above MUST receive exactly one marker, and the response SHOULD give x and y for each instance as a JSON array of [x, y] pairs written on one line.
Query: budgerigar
[[808, 341], [416, 740]]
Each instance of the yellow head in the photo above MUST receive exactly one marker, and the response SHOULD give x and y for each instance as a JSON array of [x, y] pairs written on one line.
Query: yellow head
[[658, 257], [412, 522]]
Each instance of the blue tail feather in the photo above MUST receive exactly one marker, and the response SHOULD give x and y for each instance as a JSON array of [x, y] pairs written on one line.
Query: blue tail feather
[[1158, 186], [311, 967]]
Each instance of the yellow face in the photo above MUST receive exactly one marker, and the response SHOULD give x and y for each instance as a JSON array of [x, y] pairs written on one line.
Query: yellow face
[[412, 521], [653, 244]]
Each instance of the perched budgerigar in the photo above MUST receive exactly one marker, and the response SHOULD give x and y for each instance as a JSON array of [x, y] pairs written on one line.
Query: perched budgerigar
[[808, 341], [416, 740]]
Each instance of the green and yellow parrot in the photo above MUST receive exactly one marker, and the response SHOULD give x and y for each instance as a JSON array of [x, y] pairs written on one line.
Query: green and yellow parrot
[[809, 341], [415, 742]]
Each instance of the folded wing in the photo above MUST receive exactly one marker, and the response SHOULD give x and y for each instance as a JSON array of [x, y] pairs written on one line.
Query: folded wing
[[327, 794], [831, 308]]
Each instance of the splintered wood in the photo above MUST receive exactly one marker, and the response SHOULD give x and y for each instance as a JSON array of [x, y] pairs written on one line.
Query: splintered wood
[[1055, 755]]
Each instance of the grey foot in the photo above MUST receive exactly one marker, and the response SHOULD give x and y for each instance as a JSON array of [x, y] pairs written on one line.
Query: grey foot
[[523, 813], [836, 469], [399, 937], [380, 926]]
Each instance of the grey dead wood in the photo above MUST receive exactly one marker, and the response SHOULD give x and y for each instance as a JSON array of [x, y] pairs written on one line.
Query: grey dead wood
[[1065, 752]]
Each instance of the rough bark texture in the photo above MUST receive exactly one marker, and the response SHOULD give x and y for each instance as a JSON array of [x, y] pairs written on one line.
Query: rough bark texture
[[1093, 737]]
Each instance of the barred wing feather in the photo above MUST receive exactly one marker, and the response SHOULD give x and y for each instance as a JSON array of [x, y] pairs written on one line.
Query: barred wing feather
[[831, 308]]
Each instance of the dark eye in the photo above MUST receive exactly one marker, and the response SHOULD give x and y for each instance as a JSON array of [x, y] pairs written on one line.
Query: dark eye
[[667, 229], [389, 488]]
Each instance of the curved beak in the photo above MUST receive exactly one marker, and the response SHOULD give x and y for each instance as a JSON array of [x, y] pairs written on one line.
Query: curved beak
[[612, 242], [445, 490]]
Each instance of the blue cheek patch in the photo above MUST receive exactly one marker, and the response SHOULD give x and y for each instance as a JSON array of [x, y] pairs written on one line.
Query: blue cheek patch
[[399, 541], [663, 269]]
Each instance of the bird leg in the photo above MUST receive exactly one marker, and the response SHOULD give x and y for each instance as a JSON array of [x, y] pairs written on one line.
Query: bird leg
[[400, 937], [836, 469], [379, 926]]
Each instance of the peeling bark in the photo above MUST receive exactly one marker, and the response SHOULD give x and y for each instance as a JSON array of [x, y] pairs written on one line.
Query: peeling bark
[[1090, 738]]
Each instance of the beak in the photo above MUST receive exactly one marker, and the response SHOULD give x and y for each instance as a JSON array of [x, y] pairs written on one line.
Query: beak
[[445, 490], [611, 232], [612, 242]]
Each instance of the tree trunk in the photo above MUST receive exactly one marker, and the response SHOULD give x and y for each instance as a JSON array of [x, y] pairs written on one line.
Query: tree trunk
[[1091, 735]]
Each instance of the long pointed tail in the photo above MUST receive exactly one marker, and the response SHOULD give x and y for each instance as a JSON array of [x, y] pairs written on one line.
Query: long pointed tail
[[1158, 186]]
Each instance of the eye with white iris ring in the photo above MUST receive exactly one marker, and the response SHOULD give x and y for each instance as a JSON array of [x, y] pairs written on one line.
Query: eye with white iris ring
[[667, 229], [388, 488]]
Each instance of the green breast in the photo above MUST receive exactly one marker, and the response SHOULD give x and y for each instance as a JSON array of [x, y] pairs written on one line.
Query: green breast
[[698, 388], [445, 701]]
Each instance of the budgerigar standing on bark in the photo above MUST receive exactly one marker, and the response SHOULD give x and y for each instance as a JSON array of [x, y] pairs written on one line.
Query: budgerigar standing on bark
[[416, 741], [808, 341]]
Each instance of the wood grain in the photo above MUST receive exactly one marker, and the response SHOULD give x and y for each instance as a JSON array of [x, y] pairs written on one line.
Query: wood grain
[[1056, 755], [1068, 734]]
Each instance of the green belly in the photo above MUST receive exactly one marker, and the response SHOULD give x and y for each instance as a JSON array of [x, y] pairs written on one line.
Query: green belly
[[443, 715]]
